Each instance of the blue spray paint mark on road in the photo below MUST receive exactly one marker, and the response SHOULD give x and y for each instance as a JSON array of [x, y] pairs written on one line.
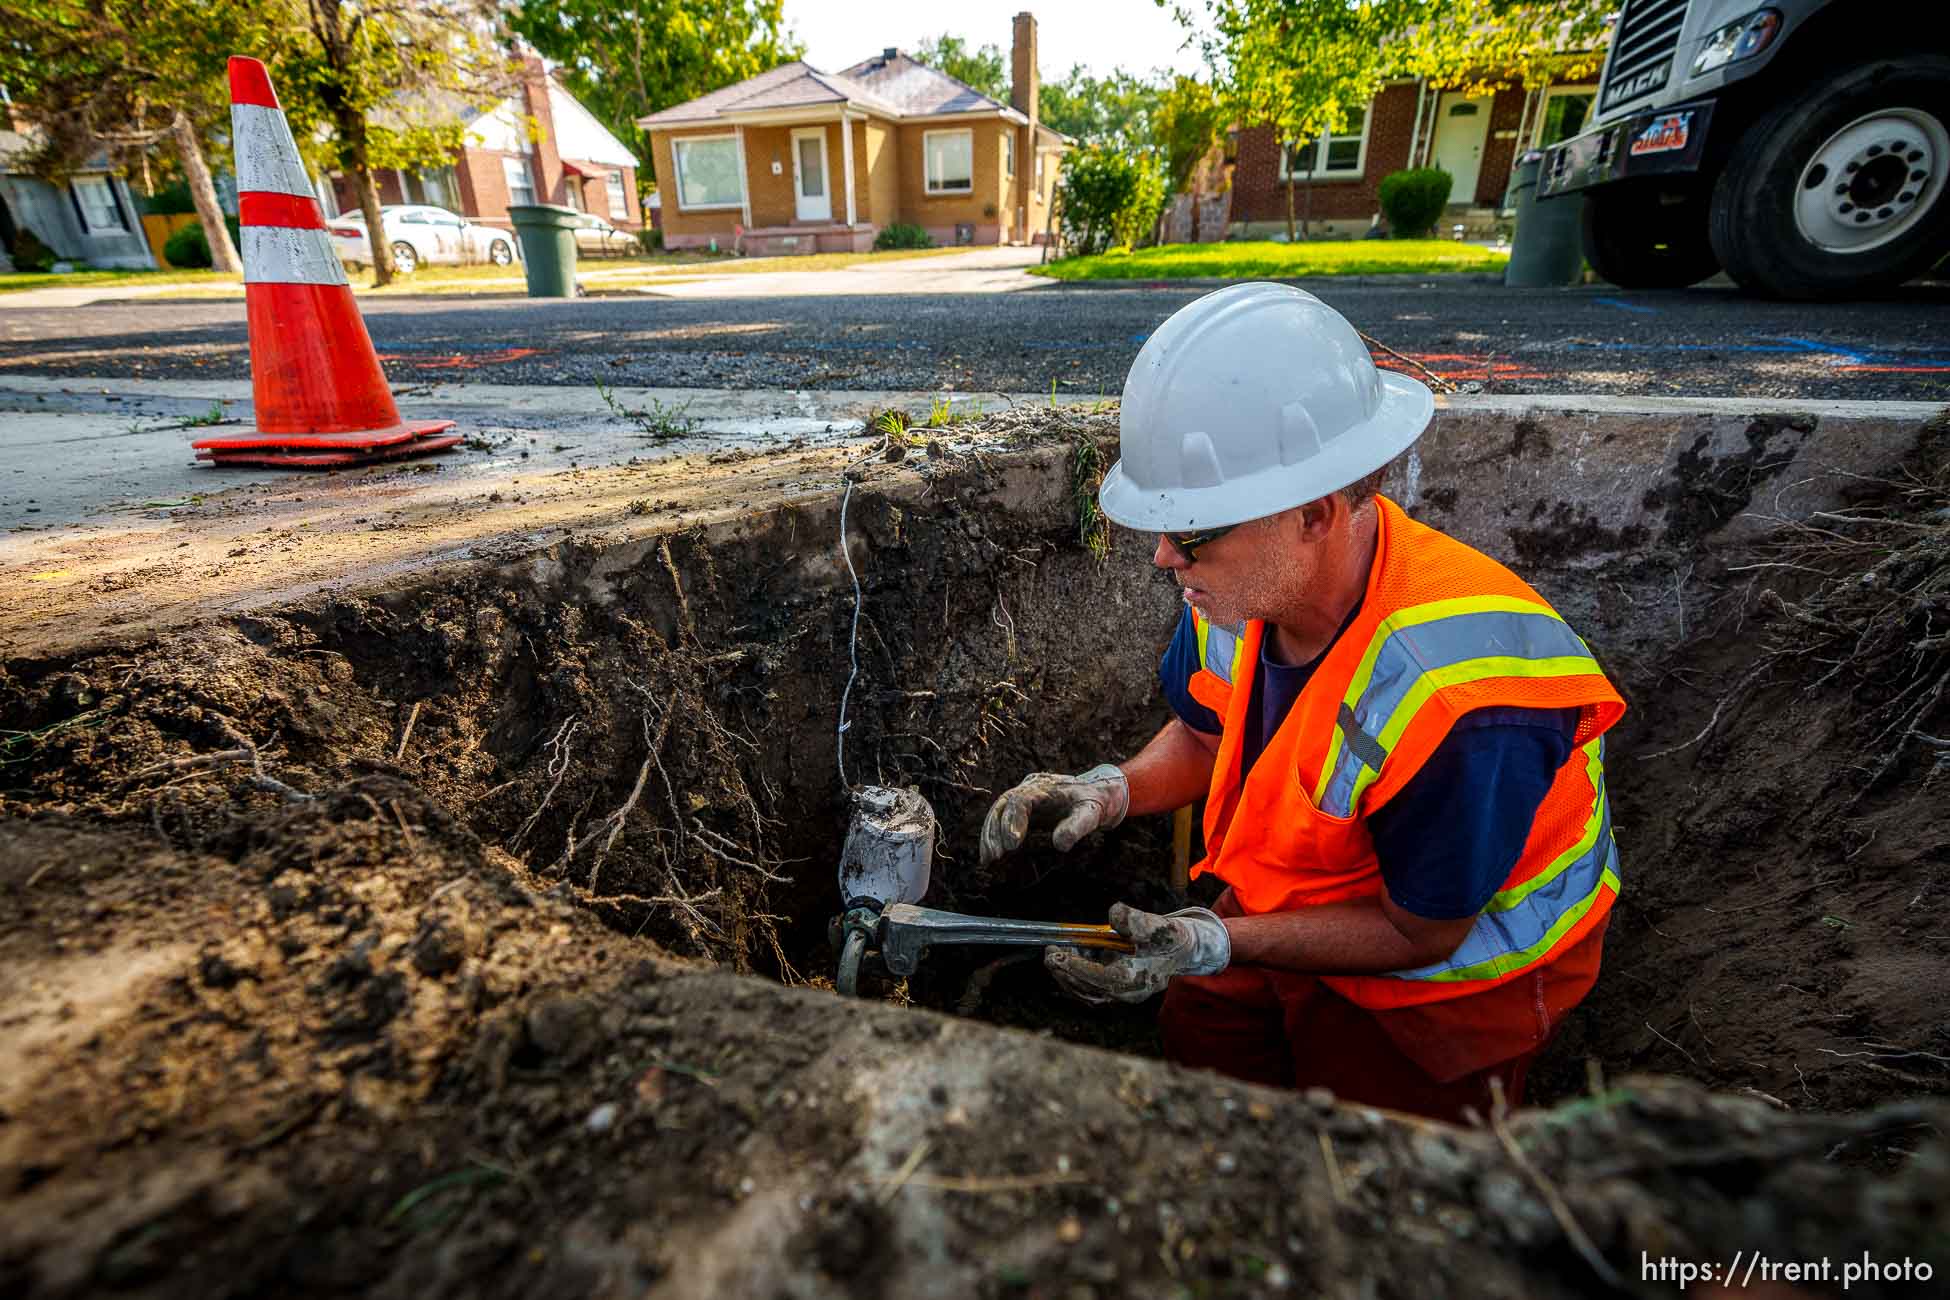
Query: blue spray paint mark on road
[[1622, 305]]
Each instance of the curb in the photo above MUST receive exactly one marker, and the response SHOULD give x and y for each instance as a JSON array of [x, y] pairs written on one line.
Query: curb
[[1303, 281]]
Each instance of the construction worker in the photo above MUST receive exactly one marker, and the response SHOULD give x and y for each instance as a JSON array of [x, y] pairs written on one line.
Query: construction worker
[[1399, 742]]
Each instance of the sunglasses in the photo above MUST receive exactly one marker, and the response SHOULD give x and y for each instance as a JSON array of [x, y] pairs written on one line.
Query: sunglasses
[[1189, 544]]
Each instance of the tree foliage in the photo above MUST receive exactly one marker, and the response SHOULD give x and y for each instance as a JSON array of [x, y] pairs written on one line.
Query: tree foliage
[[985, 69], [1115, 110], [626, 59], [1108, 197], [1189, 120], [127, 75]]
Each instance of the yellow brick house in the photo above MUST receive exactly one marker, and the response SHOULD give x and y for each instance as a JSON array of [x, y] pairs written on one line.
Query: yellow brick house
[[796, 160]]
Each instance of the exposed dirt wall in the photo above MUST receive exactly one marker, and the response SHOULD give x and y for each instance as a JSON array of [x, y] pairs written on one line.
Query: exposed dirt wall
[[388, 940]]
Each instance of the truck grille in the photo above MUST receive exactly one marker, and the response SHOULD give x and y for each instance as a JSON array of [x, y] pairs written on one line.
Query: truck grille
[[1642, 47]]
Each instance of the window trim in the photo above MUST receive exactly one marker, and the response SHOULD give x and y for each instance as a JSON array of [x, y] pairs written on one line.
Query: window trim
[[928, 189], [1320, 144], [534, 181], [1008, 153], [107, 183], [677, 167], [617, 191]]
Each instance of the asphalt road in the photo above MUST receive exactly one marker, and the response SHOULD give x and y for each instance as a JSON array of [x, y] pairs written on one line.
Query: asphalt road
[[1702, 342]]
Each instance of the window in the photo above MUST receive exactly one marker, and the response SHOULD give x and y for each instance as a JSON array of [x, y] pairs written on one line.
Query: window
[[1336, 156], [95, 200], [437, 188], [949, 160], [619, 199], [1564, 115], [1009, 154], [1039, 173], [707, 172], [572, 191], [521, 180]]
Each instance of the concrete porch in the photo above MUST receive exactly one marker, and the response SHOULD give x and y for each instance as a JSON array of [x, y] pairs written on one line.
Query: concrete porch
[[810, 237]]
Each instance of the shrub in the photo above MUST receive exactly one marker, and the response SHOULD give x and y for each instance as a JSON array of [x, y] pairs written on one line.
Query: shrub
[[188, 247], [30, 254], [652, 240], [1108, 197], [902, 234], [1413, 200], [168, 200]]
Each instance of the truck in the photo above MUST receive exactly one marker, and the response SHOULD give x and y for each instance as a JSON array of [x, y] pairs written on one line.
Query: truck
[[1803, 146]]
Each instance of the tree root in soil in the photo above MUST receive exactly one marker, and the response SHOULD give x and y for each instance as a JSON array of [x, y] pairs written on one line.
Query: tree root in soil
[[1868, 604]]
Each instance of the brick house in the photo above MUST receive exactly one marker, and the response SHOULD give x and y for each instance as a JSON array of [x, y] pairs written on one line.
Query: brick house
[[796, 160], [1476, 138], [568, 158]]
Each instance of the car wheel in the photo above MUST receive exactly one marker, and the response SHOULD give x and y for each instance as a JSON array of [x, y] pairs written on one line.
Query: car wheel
[[405, 260], [1644, 237], [1841, 190], [500, 253]]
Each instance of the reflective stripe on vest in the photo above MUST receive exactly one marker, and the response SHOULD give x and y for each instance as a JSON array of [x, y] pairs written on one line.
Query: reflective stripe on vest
[[1416, 652], [1524, 921], [1218, 647]]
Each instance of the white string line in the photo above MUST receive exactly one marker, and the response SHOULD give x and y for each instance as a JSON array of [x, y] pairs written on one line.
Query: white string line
[[853, 645]]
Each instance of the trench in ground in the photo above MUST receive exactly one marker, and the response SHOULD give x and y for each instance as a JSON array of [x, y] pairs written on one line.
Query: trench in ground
[[643, 732]]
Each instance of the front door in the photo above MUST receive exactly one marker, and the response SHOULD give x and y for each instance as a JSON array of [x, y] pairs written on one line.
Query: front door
[[812, 196], [1462, 128]]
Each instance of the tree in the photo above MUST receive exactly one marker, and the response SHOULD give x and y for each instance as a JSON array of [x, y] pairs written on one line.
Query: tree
[[128, 74], [1114, 110], [1190, 119], [626, 59], [369, 68], [1305, 67], [984, 70]]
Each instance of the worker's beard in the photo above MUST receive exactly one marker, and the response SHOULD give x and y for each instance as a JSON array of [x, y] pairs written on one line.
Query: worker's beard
[[1277, 584]]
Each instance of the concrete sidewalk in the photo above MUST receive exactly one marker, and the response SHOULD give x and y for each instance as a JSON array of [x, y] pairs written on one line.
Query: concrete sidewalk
[[114, 531], [73, 451], [980, 270]]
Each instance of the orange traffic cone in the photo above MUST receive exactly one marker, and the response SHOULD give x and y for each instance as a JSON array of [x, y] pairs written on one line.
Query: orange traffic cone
[[319, 394]]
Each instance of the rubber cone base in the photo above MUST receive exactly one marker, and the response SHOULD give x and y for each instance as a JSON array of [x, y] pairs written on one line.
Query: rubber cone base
[[278, 458], [358, 440]]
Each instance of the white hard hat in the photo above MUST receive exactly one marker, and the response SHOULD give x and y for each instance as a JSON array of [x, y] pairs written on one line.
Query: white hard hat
[[1250, 401]]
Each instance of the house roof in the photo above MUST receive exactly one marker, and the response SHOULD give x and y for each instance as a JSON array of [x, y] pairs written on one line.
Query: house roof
[[916, 88], [893, 85], [17, 145]]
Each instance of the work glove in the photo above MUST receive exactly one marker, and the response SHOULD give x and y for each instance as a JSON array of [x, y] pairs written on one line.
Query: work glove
[[1191, 941], [1089, 801]]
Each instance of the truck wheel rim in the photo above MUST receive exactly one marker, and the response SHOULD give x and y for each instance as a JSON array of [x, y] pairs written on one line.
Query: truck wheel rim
[[1872, 181]]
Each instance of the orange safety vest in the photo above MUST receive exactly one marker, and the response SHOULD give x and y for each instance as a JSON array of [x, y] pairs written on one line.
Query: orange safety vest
[[1442, 630]]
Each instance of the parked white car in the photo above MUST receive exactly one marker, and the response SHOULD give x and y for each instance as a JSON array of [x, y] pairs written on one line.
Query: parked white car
[[421, 234]]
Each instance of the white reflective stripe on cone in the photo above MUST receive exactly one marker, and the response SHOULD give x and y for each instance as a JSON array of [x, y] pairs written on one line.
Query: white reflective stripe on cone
[[267, 156], [278, 255]]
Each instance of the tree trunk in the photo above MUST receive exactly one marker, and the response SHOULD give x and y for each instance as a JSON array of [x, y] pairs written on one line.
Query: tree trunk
[[1307, 210], [1290, 183], [223, 253], [352, 135]]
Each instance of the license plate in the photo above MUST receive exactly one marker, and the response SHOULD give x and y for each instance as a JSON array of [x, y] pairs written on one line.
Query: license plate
[[1663, 134]]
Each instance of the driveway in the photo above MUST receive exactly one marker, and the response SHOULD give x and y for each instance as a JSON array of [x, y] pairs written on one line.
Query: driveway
[[981, 270]]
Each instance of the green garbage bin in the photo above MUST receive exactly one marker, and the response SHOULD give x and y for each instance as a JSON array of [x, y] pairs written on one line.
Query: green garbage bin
[[548, 247], [1549, 247]]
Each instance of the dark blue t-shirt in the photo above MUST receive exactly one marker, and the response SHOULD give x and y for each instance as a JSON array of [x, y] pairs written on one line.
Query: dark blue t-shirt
[[1448, 839]]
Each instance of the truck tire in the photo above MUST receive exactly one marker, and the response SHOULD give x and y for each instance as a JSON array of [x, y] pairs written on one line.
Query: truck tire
[[1842, 189], [1643, 237]]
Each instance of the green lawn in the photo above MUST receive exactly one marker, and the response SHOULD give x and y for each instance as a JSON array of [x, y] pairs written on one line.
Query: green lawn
[[95, 279], [1266, 260]]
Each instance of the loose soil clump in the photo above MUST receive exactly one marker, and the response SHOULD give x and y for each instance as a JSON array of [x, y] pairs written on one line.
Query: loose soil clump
[[401, 940]]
